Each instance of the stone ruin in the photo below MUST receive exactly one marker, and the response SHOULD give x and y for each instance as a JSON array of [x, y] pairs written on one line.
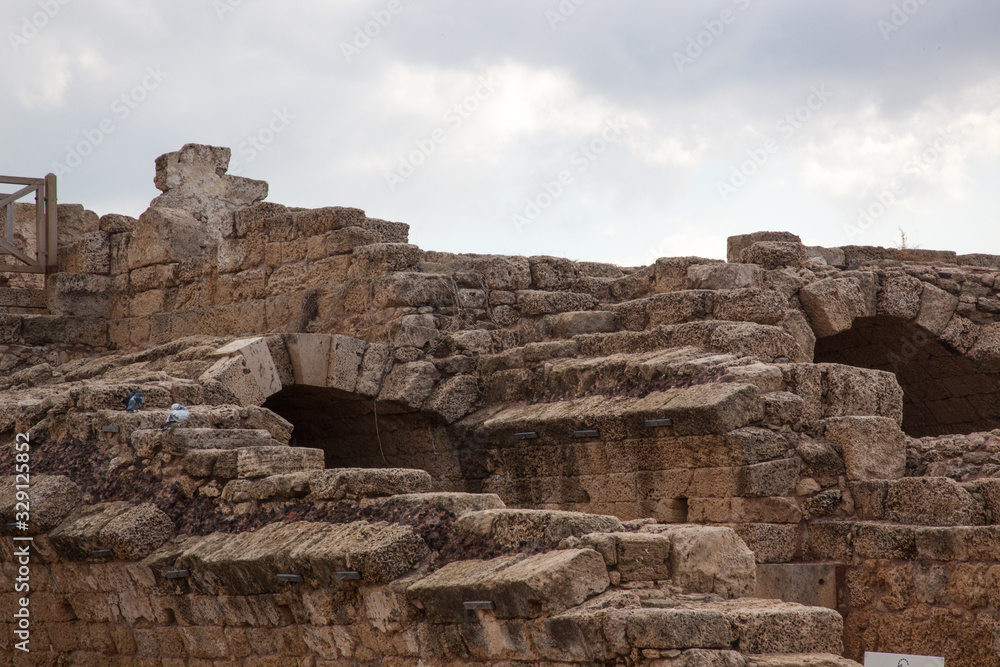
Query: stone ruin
[[406, 457]]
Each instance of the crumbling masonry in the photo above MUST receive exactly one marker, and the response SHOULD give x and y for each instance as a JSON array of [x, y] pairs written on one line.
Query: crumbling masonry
[[779, 460]]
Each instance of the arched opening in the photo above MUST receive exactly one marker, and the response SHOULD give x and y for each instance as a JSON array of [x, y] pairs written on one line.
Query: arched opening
[[943, 391], [355, 432]]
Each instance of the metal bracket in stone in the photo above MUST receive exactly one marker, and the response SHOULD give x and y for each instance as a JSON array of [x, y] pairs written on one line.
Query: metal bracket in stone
[[587, 433], [526, 435], [101, 553], [178, 574], [290, 577], [341, 575], [110, 428], [654, 423], [478, 604]]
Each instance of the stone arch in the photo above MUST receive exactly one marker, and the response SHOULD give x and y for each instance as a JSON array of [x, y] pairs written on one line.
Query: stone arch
[[347, 397], [947, 365]]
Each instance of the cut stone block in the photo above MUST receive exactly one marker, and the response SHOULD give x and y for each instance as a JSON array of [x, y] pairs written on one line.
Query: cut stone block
[[179, 440], [455, 502], [511, 527], [234, 373], [346, 355], [310, 355], [873, 447], [341, 483], [519, 587], [249, 462], [257, 357]]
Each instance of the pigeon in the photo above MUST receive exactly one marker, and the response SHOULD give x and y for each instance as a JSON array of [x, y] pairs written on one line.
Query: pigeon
[[134, 400], [178, 414]]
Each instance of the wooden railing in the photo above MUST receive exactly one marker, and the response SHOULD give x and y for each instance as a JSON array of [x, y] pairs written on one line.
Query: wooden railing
[[46, 257]]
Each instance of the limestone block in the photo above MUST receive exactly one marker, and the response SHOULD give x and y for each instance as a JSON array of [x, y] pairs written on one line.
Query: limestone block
[[264, 461], [501, 272], [456, 502], [511, 527], [880, 540], [536, 302], [873, 447], [703, 409], [131, 531], [257, 356], [519, 587], [848, 390], [771, 478], [79, 295], [775, 254], [643, 557], [316, 221], [410, 384], [749, 305], [412, 289], [708, 559], [670, 274], [812, 584], [769, 542], [736, 244], [115, 223], [181, 439], [833, 303], [786, 627], [453, 398], [236, 376], [636, 284], [310, 357], [925, 501], [341, 483], [678, 629], [89, 254], [796, 324], [390, 232], [346, 356], [136, 532], [163, 236], [553, 273], [382, 258], [575, 323], [147, 303], [899, 296], [986, 350], [374, 367], [52, 498], [724, 276]]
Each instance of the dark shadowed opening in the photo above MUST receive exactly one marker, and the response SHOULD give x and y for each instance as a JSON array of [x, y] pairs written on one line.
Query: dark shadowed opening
[[343, 425], [943, 391]]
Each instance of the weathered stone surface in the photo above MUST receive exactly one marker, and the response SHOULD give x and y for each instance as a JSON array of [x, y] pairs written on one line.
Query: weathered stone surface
[[873, 447], [775, 254], [924, 501], [510, 527], [234, 374], [341, 483], [257, 357], [165, 235], [678, 628], [130, 531], [736, 244], [51, 499], [709, 559], [834, 303], [409, 384], [310, 356], [518, 587], [453, 398]]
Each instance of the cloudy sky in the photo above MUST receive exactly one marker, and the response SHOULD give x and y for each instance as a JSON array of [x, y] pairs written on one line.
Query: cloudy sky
[[591, 129]]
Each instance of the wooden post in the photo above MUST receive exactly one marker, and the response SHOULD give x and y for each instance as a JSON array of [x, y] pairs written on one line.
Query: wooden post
[[52, 226], [40, 249]]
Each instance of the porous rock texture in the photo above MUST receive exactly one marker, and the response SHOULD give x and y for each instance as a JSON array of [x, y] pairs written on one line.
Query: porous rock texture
[[782, 459]]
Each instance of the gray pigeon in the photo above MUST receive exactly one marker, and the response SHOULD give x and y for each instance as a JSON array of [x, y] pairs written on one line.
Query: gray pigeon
[[134, 401], [178, 414]]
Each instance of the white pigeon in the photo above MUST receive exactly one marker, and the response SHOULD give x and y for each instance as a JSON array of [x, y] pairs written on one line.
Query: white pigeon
[[178, 414]]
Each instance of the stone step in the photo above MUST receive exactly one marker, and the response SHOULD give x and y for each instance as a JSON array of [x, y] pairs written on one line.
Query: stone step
[[22, 301], [921, 501], [456, 502], [515, 586], [334, 484], [698, 410], [685, 622], [253, 462], [752, 304], [511, 527], [91, 424], [180, 440]]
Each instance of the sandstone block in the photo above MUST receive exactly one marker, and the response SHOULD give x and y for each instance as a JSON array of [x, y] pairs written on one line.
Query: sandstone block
[[410, 384], [310, 357], [775, 254], [352, 483], [502, 272], [236, 376], [709, 559], [678, 629], [833, 304], [736, 244], [165, 235], [52, 498], [346, 355], [511, 527]]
